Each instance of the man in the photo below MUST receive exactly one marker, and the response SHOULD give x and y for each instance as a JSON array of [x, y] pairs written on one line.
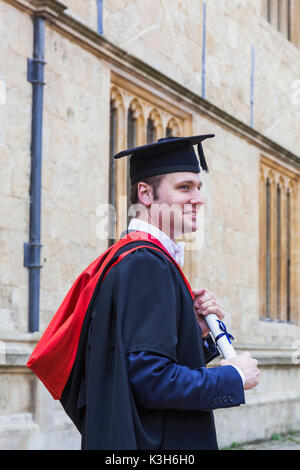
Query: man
[[139, 379]]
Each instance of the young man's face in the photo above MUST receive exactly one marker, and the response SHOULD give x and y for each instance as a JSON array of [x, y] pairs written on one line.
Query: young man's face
[[178, 202]]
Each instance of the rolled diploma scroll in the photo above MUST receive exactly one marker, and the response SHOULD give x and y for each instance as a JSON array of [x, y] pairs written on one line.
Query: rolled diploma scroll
[[223, 343]]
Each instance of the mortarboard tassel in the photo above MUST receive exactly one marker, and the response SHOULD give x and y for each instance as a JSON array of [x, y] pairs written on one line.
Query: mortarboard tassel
[[202, 158]]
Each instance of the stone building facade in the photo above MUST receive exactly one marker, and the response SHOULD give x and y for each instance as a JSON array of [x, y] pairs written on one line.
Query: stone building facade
[[130, 71]]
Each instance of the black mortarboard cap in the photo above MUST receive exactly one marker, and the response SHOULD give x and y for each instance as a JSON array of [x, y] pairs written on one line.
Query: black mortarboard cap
[[167, 155]]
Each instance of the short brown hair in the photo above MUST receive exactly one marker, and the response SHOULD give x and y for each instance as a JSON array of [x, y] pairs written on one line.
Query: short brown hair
[[153, 181]]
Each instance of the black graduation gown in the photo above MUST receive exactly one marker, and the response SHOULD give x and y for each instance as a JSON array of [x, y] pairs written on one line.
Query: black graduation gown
[[143, 305]]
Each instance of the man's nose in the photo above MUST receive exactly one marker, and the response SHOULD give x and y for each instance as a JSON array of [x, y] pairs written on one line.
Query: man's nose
[[197, 198]]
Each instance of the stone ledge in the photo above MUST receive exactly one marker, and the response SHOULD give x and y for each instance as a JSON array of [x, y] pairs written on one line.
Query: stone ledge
[[267, 355], [49, 9], [272, 397], [270, 355], [17, 422], [15, 350]]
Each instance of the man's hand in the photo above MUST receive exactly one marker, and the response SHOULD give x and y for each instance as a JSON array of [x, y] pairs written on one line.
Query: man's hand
[[247, 365], [204, 304]]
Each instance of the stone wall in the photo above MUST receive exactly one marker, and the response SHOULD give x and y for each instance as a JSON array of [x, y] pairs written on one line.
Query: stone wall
[[15, 124], [83, 11], [75, 164], [166, 35]]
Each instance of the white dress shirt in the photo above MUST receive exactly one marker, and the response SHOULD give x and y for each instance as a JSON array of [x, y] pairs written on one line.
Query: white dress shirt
[[176, 250]]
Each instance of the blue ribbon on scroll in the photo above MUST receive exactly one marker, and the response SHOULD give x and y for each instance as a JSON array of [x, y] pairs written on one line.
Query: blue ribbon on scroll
[[222, 327]]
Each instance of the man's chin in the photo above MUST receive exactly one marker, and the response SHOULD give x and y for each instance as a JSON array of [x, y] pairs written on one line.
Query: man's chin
[[185, 226], [189, 227], [192, 229]]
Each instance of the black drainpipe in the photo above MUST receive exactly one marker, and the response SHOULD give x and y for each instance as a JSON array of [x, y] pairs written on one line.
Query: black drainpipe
[[32, 250]]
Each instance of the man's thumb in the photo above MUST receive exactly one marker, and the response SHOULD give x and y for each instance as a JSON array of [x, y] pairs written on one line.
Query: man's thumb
[[198, 292]]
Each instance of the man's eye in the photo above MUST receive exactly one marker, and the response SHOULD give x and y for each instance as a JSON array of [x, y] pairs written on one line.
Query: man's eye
[[186, 187]]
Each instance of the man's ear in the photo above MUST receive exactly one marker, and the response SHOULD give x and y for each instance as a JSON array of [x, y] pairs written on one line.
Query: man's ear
[[145, 193]]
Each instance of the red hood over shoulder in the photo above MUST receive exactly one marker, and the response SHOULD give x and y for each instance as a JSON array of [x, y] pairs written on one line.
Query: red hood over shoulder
[[54, 355]]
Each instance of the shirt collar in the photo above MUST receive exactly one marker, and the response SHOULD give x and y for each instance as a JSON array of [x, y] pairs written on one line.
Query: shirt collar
[[176, 250]]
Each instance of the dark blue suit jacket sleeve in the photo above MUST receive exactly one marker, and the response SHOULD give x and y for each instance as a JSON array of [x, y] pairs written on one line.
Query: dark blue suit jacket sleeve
[[160, 383]]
